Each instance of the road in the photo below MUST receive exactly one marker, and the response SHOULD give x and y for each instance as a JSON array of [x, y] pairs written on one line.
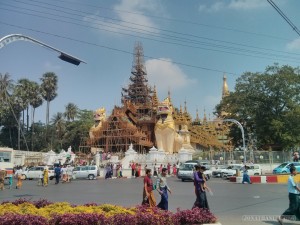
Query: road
[[233, 204]]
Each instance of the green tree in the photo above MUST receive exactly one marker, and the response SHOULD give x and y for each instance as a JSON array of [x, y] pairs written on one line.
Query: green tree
[[35, 100], [60, 126], [267, 105], [71, 111], [6, 87], [49, 88], [78, 130]]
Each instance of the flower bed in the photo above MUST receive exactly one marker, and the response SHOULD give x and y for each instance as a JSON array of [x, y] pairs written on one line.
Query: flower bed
[[43, 212]]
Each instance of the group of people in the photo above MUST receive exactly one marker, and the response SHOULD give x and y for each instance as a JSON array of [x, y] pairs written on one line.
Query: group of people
[[136, 169], [162, 187], [113, 170], [17, 173]]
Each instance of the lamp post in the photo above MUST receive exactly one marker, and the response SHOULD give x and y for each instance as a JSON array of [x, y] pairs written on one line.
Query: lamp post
[[243, 135], [19, 37], [63, 56]]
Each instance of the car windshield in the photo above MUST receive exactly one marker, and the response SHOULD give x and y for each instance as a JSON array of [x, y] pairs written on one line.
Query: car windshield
[[76, 169], [282, 165], [187, 167]]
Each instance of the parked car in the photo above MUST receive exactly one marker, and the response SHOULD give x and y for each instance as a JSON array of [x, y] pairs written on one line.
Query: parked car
[[36, 171], [253, 170], [285, 167], [186, 171], [85, 172], [220, 170], [51, 172], [230, 170]]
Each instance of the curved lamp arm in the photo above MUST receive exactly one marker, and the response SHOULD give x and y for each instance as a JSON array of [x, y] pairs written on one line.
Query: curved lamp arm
[[19, 37]]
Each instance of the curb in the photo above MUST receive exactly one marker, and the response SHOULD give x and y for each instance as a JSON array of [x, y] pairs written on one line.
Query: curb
[[211, 224], [281, 179]]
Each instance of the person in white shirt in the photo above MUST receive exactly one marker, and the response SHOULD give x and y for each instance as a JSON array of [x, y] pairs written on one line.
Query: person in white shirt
[[18, 175], [163, 189], [294, 192]]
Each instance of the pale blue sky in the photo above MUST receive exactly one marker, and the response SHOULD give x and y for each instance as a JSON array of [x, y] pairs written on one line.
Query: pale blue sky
[[229, 36]]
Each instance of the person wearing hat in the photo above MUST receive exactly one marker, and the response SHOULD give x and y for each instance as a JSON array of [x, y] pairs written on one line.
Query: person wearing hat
[[200, 187]]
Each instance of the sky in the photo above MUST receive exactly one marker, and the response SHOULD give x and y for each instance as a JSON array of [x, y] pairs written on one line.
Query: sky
[[188, 46]]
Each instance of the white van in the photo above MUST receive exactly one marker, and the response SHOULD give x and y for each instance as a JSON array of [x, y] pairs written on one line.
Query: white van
[[36, 172], [186, 171], [253, 170], [85, 172]]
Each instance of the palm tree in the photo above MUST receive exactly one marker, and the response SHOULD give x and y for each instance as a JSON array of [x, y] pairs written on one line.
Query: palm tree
[[21, 102], [6, 87], [60, 126], [23, 93], [71, 111], [35, 100], [49, 88]]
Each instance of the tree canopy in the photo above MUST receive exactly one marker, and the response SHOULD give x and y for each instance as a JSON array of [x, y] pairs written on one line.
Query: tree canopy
[[267, 105]]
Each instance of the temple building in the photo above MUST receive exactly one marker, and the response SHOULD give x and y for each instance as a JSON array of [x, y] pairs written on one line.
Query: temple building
[[144, 121]]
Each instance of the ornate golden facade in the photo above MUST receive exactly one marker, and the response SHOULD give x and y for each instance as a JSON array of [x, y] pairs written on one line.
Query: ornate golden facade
[[144, 121]]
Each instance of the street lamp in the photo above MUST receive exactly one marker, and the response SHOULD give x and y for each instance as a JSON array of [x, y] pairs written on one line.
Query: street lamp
[[63, 56], [243, 135], [19, 37]]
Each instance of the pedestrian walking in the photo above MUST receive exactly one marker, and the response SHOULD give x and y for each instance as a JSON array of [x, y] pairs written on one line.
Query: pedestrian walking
[[2, 178], [18, 175], [148, 195], [69, 173], [174, 170], [155, 170], [169, 168], [10, 180], [294, 191], [40, 179], [64, 174], [132, 169], [57, 172], [45, 177], [246, 177], [163, 189], [200, 188]]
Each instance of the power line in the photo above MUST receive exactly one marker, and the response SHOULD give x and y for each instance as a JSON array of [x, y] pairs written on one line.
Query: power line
[[176, 20], [284, 17], [119, 50], [238, 51], [150, 33]]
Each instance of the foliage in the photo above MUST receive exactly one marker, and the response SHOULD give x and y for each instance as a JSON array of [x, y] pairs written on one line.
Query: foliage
[[267, 105], [196, 215], [62, 213], [25, 93]]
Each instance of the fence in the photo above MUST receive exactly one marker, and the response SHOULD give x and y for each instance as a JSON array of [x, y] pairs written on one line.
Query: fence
[[259, 157]]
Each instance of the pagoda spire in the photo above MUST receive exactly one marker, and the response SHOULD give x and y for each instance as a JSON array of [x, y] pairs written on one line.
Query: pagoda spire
[[225, 91], [204, 118], [154, 98], [138, 91], [185, 108]]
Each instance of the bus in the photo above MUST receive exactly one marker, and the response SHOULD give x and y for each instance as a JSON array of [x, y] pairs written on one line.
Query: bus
[[6, 159]]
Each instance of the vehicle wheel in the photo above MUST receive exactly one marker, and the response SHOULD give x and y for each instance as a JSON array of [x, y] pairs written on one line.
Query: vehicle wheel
[[182, 180], [256, 174], [208, 177], [51, 178], [91, 177], [24, 177]]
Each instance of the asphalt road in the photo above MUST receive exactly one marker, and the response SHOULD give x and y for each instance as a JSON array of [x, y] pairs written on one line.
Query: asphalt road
[[233, 204]]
